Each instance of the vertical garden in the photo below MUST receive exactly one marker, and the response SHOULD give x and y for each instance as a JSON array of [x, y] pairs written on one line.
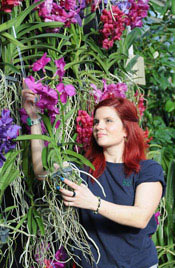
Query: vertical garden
[[73, 54]]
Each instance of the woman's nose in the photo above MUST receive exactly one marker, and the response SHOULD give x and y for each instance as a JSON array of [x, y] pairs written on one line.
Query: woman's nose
[[100, 125]]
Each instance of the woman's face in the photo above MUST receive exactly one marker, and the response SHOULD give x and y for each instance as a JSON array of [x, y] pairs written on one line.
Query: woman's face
[[108, 128]]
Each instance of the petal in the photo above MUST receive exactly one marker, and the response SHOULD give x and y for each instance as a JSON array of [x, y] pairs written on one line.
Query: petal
[[60, 87], [70, 90]]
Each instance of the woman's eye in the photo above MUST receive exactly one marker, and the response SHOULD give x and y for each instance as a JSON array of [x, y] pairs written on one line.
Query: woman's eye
[[95, 122], [108, 120]]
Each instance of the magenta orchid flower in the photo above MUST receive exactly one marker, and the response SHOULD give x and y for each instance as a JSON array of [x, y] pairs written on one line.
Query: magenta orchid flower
[[109, 91], [65, 90], [41, 63], [97, 93], [157, 214], [34, 86], [48, 99], [60, 68]]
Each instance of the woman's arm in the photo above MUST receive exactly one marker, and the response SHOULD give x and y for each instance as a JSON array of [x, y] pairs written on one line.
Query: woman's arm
[[147, 198], [29, 100]]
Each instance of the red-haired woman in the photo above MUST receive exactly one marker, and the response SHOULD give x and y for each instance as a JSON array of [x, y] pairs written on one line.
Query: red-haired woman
[[124, 220]]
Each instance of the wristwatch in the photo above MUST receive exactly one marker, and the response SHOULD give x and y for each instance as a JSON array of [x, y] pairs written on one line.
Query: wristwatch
[[31, 122]]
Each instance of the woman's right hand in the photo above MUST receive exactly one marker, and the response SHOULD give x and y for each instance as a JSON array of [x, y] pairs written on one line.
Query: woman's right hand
[[29, 99]]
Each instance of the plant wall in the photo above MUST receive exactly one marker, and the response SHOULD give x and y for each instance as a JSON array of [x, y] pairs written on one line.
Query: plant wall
[[73, 54]]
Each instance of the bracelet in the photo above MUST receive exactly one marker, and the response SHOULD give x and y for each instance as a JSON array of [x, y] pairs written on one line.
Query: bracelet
[[31, 122], [99, 203]]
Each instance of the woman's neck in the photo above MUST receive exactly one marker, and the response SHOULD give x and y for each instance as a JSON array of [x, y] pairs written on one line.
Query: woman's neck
[[114, 155]]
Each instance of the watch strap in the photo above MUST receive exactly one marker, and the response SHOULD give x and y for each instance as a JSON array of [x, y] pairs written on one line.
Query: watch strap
[[31, 122]]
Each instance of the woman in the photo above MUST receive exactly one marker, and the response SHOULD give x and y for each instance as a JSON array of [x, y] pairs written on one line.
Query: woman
[[124, 220]]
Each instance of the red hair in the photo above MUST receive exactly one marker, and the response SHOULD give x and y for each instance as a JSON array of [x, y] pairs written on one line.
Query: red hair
[[135, 146]]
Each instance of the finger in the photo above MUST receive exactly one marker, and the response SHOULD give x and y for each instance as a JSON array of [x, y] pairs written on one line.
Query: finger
[[66, 192], [56, 166], [68, 198], [71, 184], [27, 90], [30, 98], [83, 185], [29, 94], [68, 204], [24, 84]]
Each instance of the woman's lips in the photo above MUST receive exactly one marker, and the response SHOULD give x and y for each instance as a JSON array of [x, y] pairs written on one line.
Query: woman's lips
[[100, 135]]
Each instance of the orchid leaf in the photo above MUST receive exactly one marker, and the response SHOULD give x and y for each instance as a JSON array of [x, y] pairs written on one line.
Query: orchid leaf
[[33, 137], [89, 17], [7, 209], [44, 157], [47, 124], [40, 25], [47, 35], [130, 38], [44, 47], [17, 21], [79, 156], [12, 39], [10, 158]]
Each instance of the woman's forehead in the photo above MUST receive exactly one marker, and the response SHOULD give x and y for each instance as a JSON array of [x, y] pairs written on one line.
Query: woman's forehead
[[105, 111]]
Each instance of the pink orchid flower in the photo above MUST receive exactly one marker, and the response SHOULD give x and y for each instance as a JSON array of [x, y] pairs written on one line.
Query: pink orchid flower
[[41, 63], [60, 68], [34, 86], [47, 264], [97, 93], [65, 90], [109, 91], [157, 214]]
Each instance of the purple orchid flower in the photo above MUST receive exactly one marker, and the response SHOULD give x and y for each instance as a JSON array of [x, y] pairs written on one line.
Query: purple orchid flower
[[60, 68], [2, 157], [5, 119], [41, 63], [8, 132], [65, 90], [124, 6]]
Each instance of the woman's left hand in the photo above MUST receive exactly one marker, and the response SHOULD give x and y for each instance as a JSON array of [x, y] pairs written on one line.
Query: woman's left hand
[[80, 196]]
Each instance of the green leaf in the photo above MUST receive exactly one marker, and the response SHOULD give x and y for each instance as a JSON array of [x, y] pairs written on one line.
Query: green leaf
[[39, 46], [169, 106], [44, 157], [17, 21], [131, 63], [130, 39], [20, 223], [29, 220], [79, 156], [89, 17], [33, 137], [12, 40], [40, 25], [7, 179], [10, 158], [9, 208], [47, 124], [11, 67], [39, 221], [48, 35]]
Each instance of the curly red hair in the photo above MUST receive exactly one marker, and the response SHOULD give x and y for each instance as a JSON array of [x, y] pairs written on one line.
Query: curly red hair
[[135, 146]]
